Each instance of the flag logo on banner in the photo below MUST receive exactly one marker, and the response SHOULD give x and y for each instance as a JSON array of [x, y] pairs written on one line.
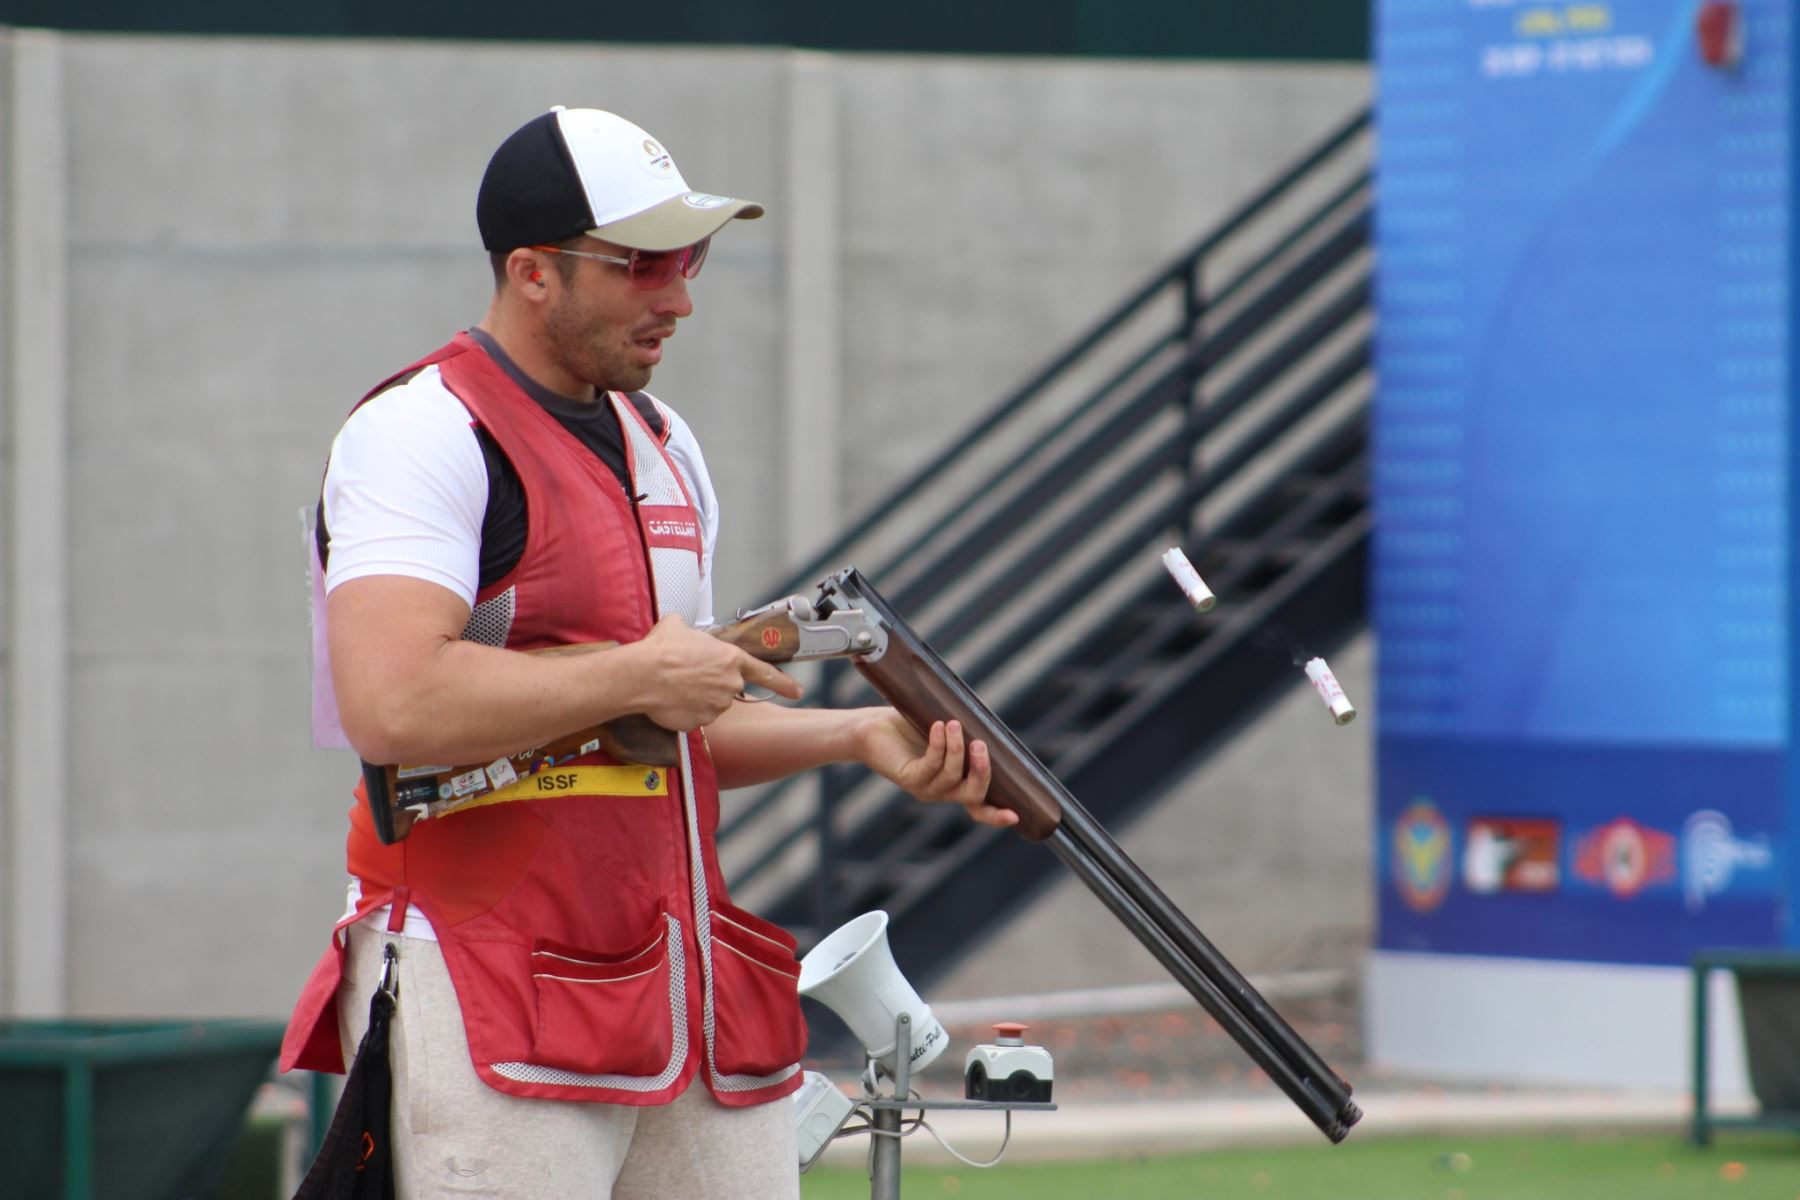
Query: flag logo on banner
[[1422, 859], [1625, 857]]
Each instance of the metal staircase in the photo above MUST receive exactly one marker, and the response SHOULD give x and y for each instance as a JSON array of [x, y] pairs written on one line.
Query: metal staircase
[[1222, 407]]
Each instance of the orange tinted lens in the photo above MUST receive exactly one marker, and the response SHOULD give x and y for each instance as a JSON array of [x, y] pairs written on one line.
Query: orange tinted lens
[[652, 269], [696, 254]]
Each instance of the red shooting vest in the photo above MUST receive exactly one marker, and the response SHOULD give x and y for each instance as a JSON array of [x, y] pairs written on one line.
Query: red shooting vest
[[594, 951]]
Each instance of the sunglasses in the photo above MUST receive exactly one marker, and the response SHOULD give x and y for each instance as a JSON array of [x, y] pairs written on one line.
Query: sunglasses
[[648, 270]]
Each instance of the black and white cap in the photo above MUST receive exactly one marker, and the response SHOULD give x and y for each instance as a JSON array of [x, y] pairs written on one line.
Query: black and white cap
[[581, 170]]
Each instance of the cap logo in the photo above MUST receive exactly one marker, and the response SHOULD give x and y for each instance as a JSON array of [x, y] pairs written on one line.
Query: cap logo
[[703, 200], [656, 160]]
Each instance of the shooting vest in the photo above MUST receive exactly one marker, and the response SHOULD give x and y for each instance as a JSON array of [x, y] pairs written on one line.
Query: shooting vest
[[588, 933]]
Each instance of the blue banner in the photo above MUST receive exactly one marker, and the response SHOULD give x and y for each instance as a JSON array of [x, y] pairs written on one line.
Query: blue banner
[[1581, 481]]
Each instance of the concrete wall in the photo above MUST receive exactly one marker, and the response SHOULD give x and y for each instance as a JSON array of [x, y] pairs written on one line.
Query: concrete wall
[[248, 233]]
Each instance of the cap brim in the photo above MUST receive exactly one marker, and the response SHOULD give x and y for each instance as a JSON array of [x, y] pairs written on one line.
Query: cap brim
[[676, 222]]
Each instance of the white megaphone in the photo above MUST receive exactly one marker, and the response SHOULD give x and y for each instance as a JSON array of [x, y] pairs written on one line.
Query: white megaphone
[[852, 972]]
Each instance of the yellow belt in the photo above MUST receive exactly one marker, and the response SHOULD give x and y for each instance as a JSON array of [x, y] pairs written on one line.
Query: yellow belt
[[624, 780]]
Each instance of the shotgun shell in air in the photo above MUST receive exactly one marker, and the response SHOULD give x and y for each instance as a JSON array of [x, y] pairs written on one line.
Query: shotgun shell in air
[[1326, 684], [1188, 579]]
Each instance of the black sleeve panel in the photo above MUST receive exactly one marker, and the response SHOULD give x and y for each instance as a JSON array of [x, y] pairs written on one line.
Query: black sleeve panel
[[503, 526]]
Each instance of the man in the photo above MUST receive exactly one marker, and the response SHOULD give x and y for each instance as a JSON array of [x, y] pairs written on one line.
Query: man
[[581, 1010]]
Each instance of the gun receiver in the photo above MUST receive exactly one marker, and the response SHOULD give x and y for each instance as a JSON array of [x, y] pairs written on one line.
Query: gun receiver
[[910, 676], [785, 631]]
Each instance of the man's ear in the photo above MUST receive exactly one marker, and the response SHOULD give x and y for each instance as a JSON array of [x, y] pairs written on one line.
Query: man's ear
[[525, 271]]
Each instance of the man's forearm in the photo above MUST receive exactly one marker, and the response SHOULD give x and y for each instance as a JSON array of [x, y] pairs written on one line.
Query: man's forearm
[[472, 702], [411, 691], [755, 743]]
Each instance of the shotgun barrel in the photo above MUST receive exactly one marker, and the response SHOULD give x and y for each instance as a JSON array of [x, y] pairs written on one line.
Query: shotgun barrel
[[909, 675]]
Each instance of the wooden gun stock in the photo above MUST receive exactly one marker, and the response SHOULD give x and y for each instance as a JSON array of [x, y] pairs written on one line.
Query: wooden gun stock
[[777, 633], [912, 679]]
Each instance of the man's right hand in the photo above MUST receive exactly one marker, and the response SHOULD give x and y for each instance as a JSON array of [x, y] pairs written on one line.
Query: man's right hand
[[691, 677]]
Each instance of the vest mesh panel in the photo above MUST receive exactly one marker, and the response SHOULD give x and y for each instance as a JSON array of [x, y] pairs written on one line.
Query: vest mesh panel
[[491, 620]]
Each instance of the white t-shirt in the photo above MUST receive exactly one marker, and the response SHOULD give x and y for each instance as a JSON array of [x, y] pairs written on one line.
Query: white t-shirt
[[407, 487], [405, 493]]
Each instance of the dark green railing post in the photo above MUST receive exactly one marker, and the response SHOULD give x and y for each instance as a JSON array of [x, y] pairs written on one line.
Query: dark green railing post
[[1702, 1133], [319, 1108], [78, 1129]]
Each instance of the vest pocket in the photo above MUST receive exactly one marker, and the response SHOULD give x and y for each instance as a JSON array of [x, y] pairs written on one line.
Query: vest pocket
[[757, 1025], [604, 1012]]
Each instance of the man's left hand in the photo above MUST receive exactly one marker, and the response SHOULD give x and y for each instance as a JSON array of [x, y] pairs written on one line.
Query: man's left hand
[[934, 768]]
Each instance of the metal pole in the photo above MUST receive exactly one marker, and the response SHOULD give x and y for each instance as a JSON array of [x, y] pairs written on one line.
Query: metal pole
[[902, 1056], [884, 1155], [884, 1146]]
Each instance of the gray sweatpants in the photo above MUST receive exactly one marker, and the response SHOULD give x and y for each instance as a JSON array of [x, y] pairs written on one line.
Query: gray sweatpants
[[456, 1136]]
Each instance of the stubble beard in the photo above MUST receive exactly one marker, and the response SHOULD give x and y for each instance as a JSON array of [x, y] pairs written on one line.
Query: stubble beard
[[583, 347]]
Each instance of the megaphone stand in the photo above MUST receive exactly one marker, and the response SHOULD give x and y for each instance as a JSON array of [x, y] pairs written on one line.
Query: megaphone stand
[[885, 1112], [853, 973]]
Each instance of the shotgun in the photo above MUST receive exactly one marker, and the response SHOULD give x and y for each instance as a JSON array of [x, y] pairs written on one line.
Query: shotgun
[[785, 631], [909, 675]]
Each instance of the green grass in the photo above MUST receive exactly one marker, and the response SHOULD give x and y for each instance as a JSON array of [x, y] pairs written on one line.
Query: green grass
[[1741, 1166]]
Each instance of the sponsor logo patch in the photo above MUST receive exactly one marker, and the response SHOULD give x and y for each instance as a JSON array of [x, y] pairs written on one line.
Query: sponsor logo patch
[[1711, 855], [656, 160], [1422, 863], [704, 200], [1512, 854], [1625, 857]]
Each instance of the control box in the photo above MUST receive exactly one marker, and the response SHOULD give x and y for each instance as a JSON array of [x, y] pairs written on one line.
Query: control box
[[1008, 1069]]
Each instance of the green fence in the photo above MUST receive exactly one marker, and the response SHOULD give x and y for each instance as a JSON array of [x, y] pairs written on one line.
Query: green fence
[[1768, 986], [126, 1110]]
